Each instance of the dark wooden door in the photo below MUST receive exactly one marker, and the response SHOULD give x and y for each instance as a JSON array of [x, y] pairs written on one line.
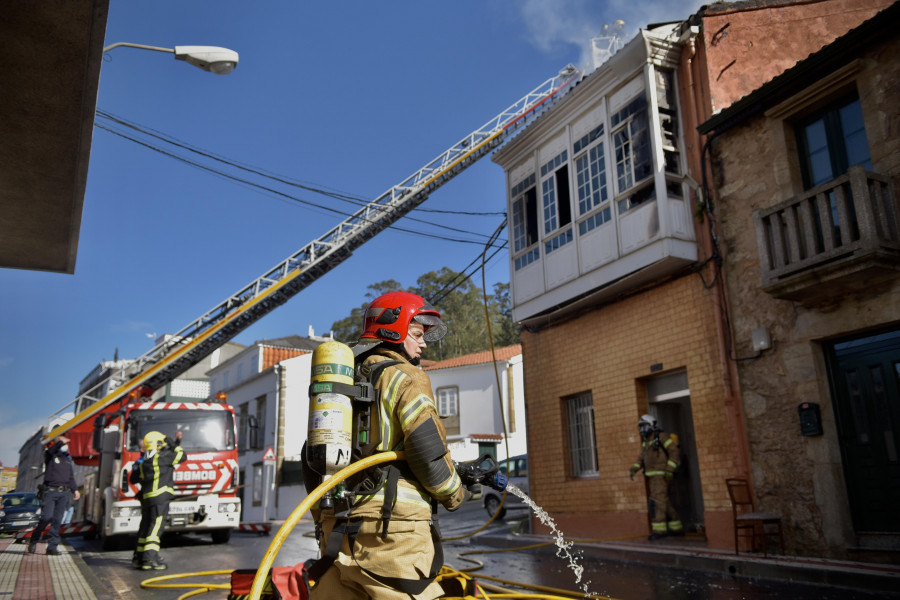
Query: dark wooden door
[[865, 374]]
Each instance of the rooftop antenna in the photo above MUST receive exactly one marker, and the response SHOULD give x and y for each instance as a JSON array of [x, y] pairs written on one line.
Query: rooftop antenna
[[608, 42]]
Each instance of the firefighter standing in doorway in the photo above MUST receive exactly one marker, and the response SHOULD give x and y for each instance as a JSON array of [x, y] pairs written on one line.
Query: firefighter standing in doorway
[[658, 459], [155, 475], [386, 544]]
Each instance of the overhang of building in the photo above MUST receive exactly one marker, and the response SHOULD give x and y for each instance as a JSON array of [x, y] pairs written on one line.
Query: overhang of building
[[50, 56]]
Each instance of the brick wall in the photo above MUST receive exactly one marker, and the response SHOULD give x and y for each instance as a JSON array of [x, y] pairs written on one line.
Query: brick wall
[[609, 352], [746, 46]]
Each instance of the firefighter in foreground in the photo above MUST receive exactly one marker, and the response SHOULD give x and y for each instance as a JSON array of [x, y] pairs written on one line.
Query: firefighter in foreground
[[154, 473], [658, 459], [383, 541]]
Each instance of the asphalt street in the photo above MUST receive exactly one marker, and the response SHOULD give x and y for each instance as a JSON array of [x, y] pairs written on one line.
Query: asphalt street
[[113, 576]]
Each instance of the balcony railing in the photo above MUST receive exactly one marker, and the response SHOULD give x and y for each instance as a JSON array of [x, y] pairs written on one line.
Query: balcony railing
[[842, 228]]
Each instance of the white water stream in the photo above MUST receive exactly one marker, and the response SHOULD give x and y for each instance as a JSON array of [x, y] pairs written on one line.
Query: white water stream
[[563, 548]]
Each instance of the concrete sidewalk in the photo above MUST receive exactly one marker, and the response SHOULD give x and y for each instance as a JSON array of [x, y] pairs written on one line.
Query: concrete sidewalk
[[692, 554], [39, 576]]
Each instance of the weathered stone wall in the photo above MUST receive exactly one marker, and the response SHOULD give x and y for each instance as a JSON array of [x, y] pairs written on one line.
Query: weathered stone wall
[[609, 352], [799, 477]]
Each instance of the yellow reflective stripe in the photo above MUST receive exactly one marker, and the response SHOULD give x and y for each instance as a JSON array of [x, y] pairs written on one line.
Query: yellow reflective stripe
[[388, 401], [179, 455], [654, 473], [675, 525], [451, 486], [153, 488], [659, 526], [672, 464], [413, 409], [405, 496], [668, 442], [161, 490], [153, 536]]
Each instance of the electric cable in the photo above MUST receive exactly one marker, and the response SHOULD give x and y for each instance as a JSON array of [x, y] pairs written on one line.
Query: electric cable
[[283, 195], [355, 200]]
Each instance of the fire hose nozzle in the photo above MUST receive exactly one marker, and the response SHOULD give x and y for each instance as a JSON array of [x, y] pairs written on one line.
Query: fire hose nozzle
[[483, 470]]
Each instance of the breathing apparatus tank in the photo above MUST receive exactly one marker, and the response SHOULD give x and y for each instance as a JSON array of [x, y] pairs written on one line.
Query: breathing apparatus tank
[[329, 438]]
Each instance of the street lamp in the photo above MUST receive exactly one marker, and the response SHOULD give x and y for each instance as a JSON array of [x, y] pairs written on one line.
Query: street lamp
[[214, 59]]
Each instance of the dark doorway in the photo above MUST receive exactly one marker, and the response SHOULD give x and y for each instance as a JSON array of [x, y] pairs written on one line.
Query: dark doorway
[[864, 381], [670, 403]]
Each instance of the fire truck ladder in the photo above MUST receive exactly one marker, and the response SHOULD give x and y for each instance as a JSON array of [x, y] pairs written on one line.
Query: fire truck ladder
[[191, 344]]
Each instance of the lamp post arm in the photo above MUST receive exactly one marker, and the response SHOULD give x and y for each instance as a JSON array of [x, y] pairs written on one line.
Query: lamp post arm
[[142, 46]]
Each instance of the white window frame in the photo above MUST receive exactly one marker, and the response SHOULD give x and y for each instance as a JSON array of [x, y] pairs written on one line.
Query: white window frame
[[592, 187], [448, 401]]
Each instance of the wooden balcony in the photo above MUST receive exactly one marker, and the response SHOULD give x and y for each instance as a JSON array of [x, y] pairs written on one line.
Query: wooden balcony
[[840, 237]]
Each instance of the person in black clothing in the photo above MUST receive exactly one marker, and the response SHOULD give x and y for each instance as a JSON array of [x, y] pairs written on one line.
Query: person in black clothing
[[155, 474], [60, 490]]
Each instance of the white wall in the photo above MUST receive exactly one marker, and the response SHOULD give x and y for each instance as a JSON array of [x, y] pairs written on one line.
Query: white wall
[[295, 403], [479, 406]]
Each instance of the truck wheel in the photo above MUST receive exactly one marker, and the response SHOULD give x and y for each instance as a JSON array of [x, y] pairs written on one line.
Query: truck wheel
[[221, 536], [110, 542]]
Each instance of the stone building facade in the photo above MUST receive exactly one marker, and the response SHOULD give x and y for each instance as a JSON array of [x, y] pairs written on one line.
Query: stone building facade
[[620, 286], [811, 245]]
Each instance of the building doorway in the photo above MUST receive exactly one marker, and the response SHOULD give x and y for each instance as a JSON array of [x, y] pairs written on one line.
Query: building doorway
[[670, 402], [865, 384]]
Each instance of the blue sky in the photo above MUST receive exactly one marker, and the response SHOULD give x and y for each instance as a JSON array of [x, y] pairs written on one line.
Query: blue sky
[[353, 96]]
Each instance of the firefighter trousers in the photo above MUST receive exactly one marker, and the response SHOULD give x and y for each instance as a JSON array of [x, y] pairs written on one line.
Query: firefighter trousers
[[153, 521], [406, 553], [663, 517]]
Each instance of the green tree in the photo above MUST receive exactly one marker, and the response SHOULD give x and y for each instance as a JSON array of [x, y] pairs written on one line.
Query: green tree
[[505, 330], [461, 304], [349, 328]]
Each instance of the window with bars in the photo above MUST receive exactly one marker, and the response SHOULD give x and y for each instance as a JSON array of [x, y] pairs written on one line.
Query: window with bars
[[580, 435]]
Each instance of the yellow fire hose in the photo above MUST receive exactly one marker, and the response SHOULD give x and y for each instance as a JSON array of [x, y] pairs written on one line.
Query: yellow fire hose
[[268, 560], [303, 507]]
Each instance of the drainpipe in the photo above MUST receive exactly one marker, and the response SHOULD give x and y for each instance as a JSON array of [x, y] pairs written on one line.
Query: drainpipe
[[734, 404]]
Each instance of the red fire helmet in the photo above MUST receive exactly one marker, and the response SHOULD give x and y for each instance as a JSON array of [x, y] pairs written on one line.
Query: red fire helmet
[[388, 317]]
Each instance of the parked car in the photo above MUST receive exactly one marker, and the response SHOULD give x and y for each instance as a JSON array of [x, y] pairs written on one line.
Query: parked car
[[516, 468], [21, 510]]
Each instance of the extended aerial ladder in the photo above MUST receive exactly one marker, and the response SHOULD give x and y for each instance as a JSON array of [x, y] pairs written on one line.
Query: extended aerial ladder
[[179, 352]]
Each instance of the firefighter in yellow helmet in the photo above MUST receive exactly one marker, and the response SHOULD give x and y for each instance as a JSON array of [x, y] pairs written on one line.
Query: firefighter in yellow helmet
[[154, 472], [386, 544], [658, 459]]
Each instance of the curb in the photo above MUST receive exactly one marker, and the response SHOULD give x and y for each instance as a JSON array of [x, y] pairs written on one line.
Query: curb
[[836, 573]]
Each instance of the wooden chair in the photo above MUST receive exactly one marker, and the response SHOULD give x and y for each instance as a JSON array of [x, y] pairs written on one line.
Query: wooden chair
[[746, 518]]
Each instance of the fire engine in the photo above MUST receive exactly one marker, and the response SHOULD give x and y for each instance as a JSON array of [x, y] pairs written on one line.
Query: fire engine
[[104, 430], [205, 482]]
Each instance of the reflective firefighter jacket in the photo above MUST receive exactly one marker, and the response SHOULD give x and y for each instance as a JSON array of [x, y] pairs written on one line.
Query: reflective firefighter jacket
[[156, 474], [407, 421], [659, 455]]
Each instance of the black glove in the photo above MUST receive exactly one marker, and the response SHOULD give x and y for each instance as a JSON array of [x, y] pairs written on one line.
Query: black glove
[[471, 473]]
